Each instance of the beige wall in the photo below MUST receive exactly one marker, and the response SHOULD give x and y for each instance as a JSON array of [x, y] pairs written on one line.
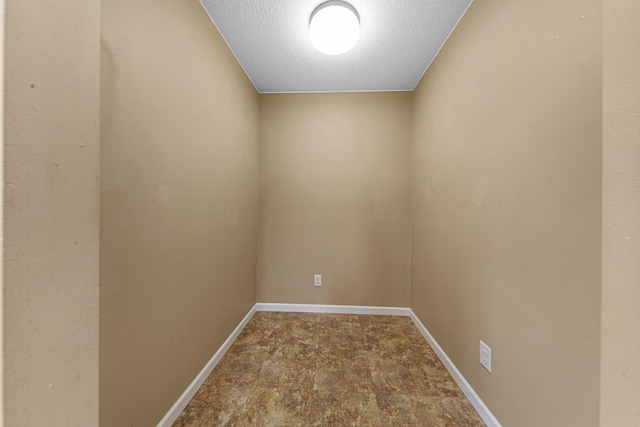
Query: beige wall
[[506, 206], [334, 198], [620, 369], [50, 267], [2, 9], [179, 159]]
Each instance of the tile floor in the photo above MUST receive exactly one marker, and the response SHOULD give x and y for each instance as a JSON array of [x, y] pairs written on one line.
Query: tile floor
[[294, 369]]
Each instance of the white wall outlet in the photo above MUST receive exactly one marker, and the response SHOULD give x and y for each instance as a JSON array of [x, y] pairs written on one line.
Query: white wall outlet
[[485, 356], [317, 280]]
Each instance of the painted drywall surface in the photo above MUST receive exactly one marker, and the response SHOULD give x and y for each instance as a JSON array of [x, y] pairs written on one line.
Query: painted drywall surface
[[2, 8], [506, 206], [334, 198], [52, 69], [179, 164], [620, 369]]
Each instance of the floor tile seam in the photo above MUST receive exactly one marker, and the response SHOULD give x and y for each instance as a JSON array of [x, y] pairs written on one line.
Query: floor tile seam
[[375, 397], [277, 388], [238, 411], [311, 403], [370, 372]]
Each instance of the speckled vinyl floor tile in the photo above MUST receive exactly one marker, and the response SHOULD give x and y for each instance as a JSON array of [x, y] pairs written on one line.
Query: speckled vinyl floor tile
[[302, 369]]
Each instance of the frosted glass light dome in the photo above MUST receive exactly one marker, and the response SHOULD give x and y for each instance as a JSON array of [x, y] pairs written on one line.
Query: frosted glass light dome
[[334, 27]]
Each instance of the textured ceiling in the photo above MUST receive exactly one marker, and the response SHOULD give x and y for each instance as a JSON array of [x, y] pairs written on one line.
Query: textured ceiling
[[398, 41]]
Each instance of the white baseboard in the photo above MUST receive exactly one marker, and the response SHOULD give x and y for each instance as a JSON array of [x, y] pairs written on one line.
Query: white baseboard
[[335, 309], [188, 394], [489, 419], [171, 416]]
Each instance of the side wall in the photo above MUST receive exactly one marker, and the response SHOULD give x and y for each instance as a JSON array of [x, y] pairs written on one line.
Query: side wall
[[51, 143], [179, 159], [620, 399], [334, 198], [506, 206], [2, 29]]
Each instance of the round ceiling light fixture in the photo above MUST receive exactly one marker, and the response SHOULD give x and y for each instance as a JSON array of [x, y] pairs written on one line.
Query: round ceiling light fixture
[[334, 27]]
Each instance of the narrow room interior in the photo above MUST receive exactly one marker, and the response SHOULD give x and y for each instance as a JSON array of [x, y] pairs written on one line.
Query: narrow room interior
[[207, 221]]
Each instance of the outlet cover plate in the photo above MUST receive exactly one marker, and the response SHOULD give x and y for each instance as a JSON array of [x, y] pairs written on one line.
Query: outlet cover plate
[[485, 356]]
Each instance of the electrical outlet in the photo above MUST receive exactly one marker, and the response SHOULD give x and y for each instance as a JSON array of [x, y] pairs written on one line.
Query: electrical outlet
[[485, 356], [317, 280]]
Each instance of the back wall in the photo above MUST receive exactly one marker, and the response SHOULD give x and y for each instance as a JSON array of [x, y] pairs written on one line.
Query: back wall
[[334, 198]]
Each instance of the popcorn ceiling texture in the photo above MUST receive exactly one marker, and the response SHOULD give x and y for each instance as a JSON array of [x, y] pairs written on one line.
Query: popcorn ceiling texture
[[398, 41]]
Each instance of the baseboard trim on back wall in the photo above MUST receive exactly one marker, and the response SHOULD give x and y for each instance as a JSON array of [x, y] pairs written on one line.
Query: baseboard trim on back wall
[[484, 412], [172, 415], [334, 309]]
